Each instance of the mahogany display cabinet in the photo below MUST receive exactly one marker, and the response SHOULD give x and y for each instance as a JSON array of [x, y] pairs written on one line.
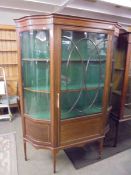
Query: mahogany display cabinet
[[65, 70], [121, 94]]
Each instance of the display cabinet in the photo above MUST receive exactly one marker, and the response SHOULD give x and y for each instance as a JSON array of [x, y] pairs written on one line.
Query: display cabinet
[[65, 72], [121, 96]]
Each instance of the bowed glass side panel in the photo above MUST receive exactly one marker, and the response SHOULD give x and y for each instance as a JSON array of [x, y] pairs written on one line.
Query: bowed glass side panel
[[82, 73], [36, 73]]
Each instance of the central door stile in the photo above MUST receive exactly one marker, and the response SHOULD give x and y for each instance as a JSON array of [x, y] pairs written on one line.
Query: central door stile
[[55, 84]]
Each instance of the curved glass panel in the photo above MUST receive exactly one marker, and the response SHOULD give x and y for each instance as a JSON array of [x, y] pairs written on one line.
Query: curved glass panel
[[35, 73], [35, 44], [82, 73]]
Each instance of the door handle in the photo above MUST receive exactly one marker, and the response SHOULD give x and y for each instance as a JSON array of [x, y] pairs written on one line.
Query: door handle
[[58, 100]]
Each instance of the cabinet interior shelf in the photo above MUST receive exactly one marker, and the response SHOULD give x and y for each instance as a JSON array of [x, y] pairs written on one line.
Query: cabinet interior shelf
[[117, 92], [40, 89], [65, 90], [35, 59], [109, 108], [88, 88], [72, 60], [46, 115], [85, 60], [119, 69], [127, 104]]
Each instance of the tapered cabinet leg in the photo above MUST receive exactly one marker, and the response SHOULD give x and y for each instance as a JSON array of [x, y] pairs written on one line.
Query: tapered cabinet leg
[[25, 151], [116, 133], [54, 154], [100, 147]]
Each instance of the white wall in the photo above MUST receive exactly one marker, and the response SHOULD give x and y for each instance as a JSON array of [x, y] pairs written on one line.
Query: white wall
[[7, 16]]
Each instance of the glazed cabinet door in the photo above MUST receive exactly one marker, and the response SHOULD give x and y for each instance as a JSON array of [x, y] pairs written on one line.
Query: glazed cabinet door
[[83, 77], [83, 64], [35, 73]]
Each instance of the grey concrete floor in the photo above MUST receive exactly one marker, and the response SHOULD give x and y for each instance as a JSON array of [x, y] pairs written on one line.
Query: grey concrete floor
[[40, 161]]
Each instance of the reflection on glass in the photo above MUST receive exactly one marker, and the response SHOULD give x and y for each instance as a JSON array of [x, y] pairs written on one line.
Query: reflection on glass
[[35, 73], [82, 73], [36, 44]]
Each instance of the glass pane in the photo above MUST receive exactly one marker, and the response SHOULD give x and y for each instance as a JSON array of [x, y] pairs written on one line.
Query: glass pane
[[35, 73], [82, 73], [81, 103], [127, 109], [36, 44], [117, 80], [37, 104], [119, 53]]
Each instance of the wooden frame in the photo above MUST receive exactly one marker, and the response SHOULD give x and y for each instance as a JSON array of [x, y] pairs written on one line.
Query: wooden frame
[[90, 128]]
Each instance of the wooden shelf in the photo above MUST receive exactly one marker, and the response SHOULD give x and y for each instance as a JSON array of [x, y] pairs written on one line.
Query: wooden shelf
[[8, 51], [40, 89], [119, 69], [7, 27], [46, 89], [35, 59], [47, 60], [8, 64], [117, 92], [76, 89], [8, 40], [85, 60], [12, 78], [127, 104]]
